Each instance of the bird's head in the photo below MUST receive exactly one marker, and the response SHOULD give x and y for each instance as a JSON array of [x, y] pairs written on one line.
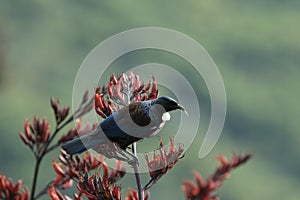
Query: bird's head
[[168, 104]]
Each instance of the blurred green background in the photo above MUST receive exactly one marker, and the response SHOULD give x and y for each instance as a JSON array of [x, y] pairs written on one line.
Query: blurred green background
[[256, 45]]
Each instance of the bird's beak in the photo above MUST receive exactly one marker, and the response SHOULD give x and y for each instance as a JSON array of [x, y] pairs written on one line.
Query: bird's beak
[[183, 109]]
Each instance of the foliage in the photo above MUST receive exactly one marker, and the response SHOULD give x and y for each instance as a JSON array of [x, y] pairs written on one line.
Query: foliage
[[120, 91]]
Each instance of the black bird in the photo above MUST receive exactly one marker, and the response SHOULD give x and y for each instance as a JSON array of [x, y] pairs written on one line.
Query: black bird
[[131, 123]]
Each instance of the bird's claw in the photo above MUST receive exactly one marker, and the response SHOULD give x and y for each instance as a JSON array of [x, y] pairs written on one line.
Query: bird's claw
[[133, 161]]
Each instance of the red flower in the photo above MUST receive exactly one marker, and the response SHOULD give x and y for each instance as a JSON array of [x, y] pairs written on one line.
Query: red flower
[[74, 167], [133, 195], [121, 91], [60, 113], [93, 187], [163, 161], [9, 190], [204, 189], [102, 187], [56, 195], [36, 134]]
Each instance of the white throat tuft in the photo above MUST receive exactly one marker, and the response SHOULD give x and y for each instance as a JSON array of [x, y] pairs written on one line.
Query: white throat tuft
[[166, 116]]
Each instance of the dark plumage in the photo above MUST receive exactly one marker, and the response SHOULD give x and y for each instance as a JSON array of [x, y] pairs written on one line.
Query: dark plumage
[[132, 123]]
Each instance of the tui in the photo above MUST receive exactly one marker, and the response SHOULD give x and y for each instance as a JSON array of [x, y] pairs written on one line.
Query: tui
[[132, 123]]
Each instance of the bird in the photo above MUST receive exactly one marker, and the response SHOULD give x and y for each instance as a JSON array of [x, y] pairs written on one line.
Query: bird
[[130, 124]]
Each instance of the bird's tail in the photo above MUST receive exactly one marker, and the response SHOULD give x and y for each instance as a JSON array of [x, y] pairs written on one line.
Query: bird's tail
[[81, 144]]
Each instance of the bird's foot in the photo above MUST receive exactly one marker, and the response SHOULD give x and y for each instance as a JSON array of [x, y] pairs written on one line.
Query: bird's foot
[[116, 152], [134, 161]]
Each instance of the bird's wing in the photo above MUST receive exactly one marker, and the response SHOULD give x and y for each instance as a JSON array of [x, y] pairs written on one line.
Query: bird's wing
[[114, 125], [110, 128]]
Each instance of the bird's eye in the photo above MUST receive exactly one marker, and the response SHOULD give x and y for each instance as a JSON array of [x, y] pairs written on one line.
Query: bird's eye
[[166, 116]]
